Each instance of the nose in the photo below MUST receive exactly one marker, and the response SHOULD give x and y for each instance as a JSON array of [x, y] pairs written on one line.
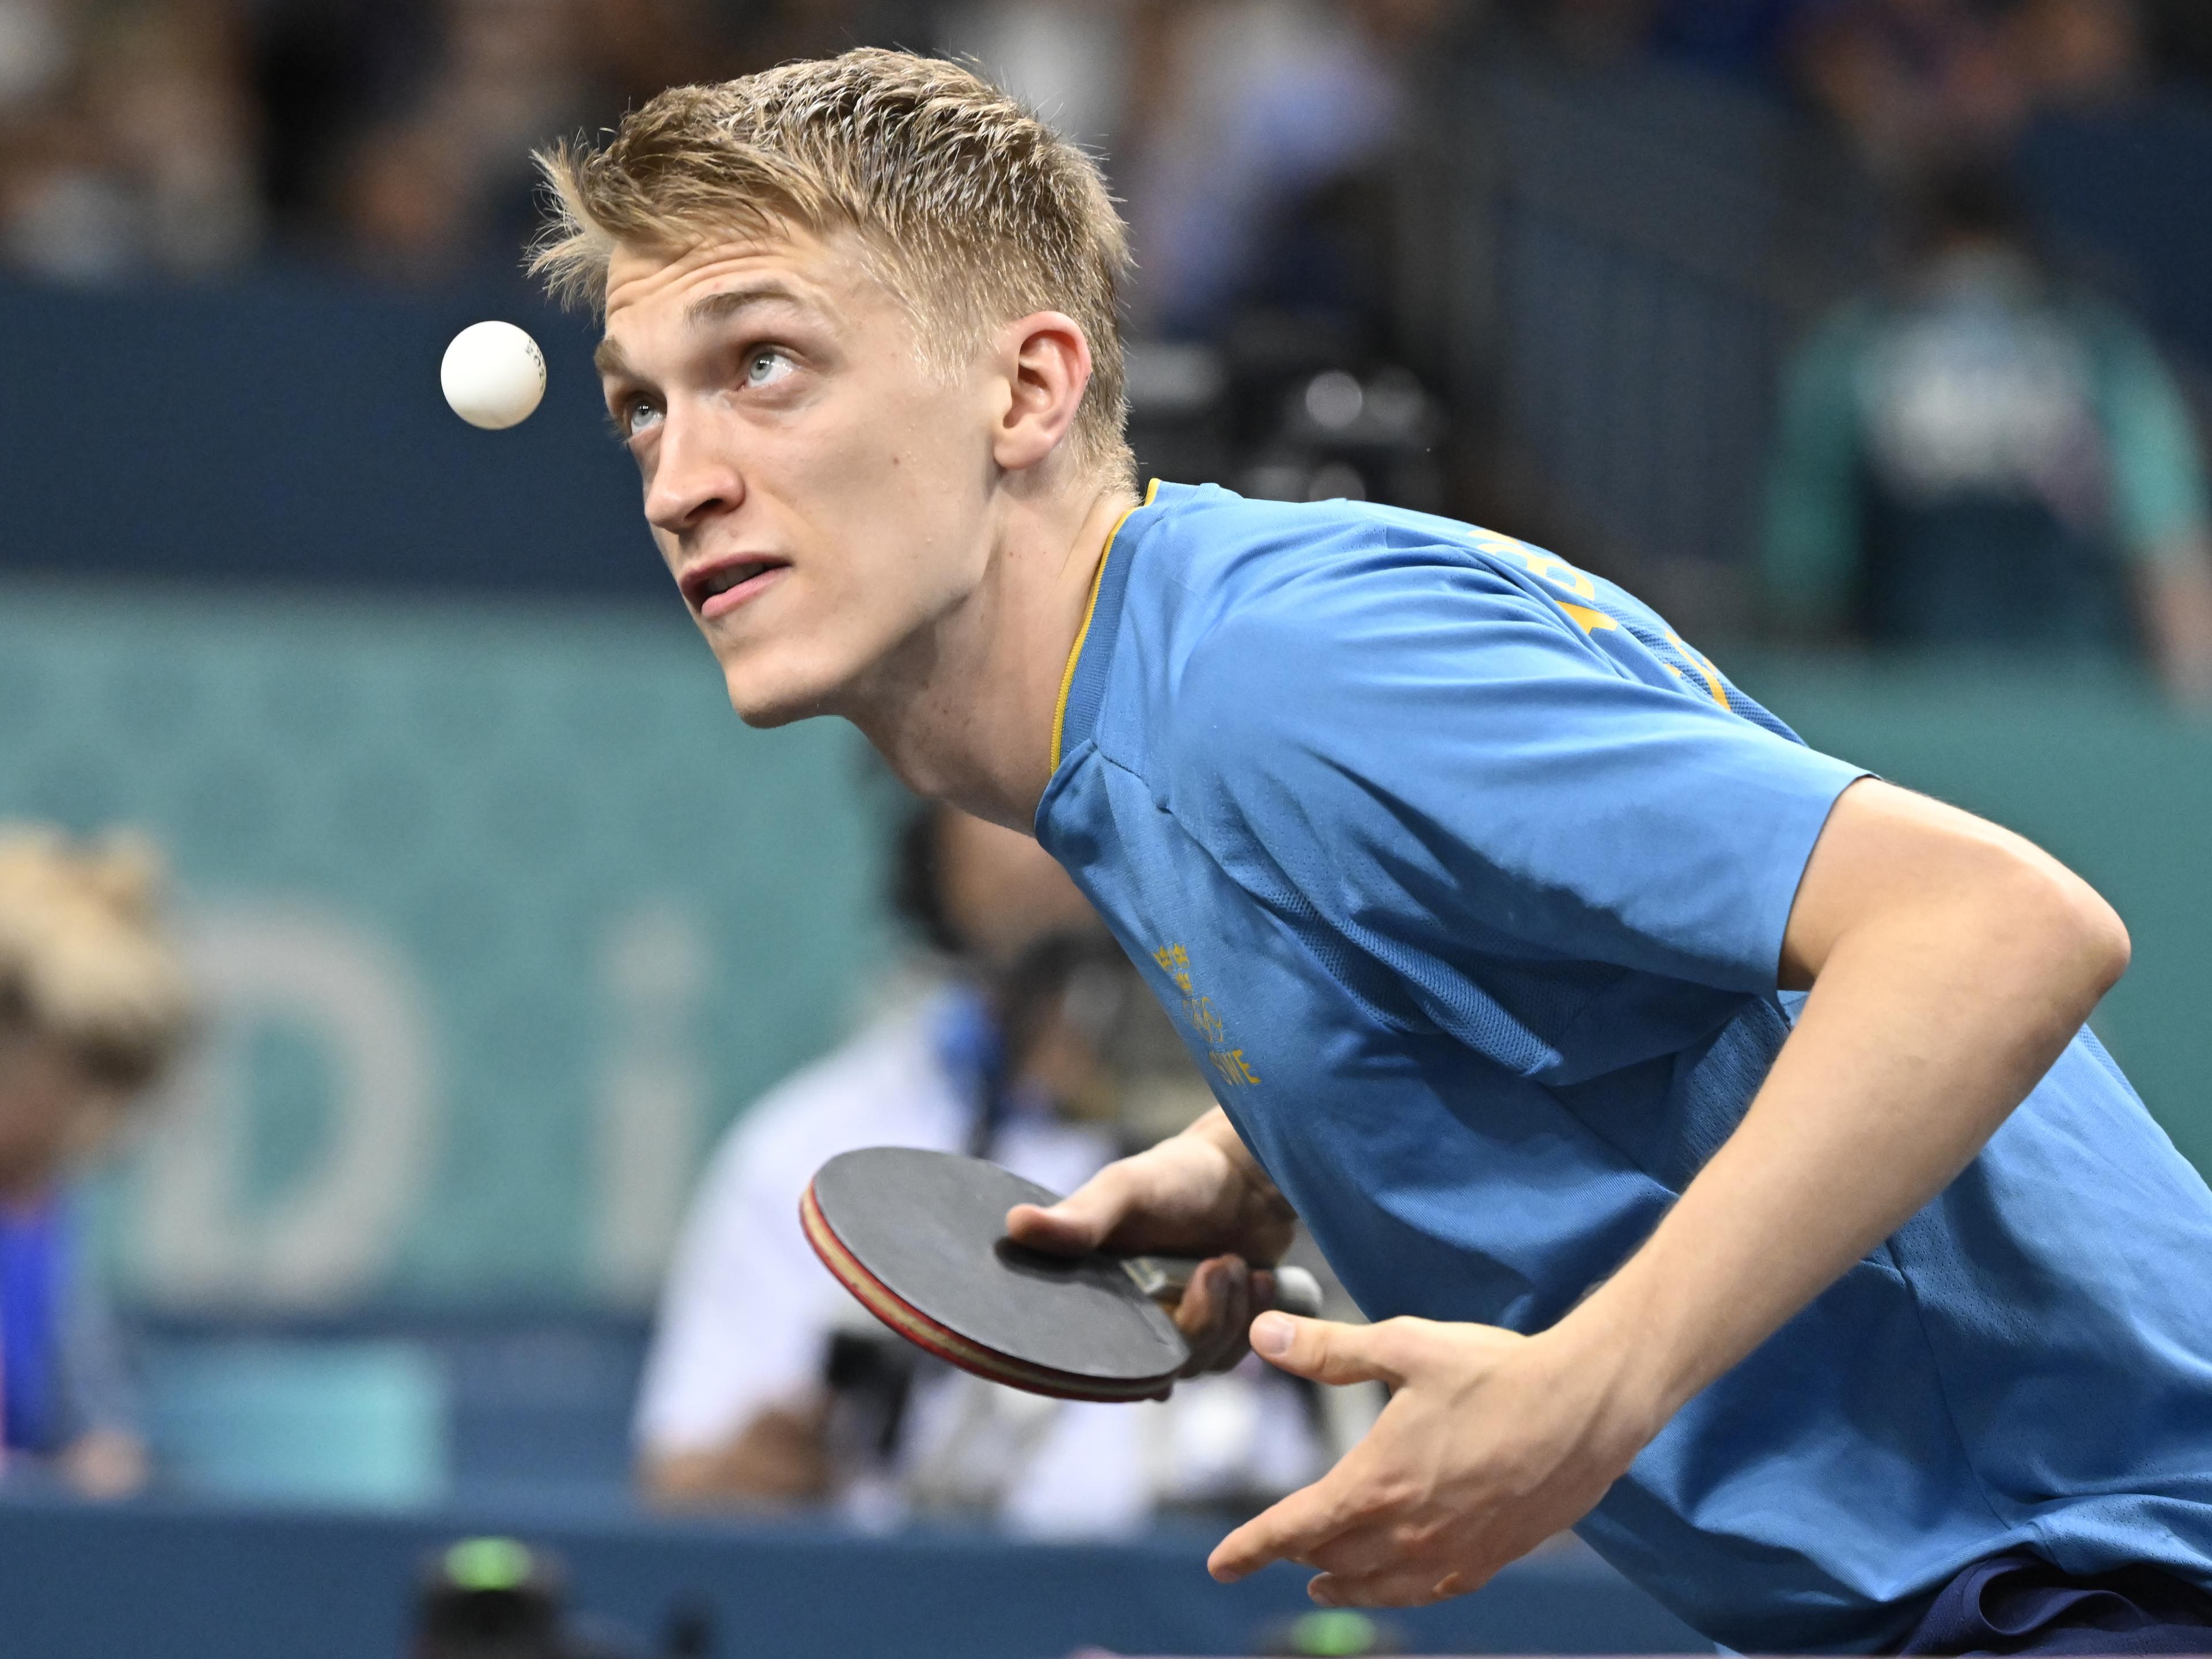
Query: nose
[[695, 477]]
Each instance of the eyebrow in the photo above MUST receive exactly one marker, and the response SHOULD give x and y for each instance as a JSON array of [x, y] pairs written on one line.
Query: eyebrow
[[707, 308]]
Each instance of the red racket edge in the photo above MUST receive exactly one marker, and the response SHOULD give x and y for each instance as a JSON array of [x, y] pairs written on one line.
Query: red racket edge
[[906, 1321]]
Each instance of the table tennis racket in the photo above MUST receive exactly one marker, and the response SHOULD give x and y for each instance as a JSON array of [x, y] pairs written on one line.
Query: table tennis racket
[[919, 1239]]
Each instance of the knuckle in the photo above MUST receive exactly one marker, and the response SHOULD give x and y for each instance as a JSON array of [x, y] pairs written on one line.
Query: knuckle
[[1415, 1537], [1406, 1335]]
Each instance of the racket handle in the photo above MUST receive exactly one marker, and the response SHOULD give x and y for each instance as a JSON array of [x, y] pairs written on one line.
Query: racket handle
[[1166, 1277], [1297, 1292]]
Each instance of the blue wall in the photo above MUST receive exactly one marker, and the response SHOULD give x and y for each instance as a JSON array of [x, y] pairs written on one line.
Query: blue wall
[[292, 431], [208, 1583]]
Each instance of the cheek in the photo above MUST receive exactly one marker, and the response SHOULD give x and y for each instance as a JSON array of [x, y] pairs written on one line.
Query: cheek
[[892, 494]]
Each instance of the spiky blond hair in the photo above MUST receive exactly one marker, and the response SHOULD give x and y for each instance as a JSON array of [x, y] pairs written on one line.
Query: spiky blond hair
[[971, 210], [82, 958]]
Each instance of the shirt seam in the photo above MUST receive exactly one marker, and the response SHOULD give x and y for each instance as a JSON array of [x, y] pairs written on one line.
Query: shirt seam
[[1942, 1384]]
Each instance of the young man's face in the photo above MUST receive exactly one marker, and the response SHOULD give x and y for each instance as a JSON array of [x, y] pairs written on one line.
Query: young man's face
[[818, 495]]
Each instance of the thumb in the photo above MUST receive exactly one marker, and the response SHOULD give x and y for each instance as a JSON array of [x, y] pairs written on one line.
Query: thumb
[[1323, 1349], [1079, 1223]]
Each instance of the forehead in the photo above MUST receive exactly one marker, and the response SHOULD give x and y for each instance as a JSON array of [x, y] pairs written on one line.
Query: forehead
[[828, 276]]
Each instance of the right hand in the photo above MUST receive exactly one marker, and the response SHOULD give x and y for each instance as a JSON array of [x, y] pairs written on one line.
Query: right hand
[[1196, 1194]]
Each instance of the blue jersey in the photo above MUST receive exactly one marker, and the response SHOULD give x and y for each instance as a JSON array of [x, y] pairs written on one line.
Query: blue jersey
[[1466, 881]]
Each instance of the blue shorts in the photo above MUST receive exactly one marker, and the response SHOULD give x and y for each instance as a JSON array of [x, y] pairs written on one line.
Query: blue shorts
[[2021, 1604]]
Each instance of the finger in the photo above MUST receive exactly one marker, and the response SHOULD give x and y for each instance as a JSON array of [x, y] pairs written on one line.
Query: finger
[[1197, 1314], [1326, 1350], [1412, 1585], [1213, 1312], [1079, 1223], [1362, 1552], [1290, 1531]]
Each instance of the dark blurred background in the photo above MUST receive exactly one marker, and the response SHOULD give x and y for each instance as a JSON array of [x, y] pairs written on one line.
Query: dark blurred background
[[1869, 340]]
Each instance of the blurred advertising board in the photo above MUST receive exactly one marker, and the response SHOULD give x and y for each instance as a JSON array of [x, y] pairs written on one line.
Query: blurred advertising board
[[501, 913]]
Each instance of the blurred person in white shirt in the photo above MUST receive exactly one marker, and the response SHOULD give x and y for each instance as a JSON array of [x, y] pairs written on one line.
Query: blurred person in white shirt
[[767, 1385]]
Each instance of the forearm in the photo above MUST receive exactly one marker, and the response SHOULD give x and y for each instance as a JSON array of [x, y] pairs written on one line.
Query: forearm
[[780, 1457], [1927, 1023], [2177, 603]]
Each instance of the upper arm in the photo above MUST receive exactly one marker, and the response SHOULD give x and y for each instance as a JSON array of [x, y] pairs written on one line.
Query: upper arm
[[1887, 851]]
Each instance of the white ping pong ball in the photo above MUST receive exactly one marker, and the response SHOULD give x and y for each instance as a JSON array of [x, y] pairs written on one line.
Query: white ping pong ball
[[493, 374]]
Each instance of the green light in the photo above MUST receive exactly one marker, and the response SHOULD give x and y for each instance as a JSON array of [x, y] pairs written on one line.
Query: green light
[[1334, 1633], [488, 1564]]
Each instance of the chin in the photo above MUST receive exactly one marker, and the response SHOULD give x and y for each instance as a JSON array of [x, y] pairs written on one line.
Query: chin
[[765, 701]]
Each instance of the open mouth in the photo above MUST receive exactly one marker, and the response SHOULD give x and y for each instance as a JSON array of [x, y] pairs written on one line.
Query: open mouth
[[719, 588]]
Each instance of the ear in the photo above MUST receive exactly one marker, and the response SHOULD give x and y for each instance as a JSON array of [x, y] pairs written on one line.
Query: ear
[[1045, 364]]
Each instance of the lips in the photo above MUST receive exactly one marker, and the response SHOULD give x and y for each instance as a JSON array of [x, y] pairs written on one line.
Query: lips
[[716, 588]]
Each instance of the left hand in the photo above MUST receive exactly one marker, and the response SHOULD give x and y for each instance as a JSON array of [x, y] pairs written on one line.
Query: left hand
[[1491, 1443]]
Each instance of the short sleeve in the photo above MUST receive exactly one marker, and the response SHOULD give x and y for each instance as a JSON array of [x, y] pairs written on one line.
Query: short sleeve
[[1451, 774]]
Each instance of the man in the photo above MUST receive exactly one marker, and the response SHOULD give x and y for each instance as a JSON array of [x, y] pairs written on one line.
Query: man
[[1477, 891], [1981, 457], [759, 1390]]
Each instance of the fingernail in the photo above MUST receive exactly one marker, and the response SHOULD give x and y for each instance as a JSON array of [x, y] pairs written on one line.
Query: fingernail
[[1271, 1335]]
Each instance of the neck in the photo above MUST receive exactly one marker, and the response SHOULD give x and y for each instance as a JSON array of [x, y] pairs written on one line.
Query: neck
[[964, 711]]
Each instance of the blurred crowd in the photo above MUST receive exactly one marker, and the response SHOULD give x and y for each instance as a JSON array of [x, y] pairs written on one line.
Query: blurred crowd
[[1303, 179], [188, 137]]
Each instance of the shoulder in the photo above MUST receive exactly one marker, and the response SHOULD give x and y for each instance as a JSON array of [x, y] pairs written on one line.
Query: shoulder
[[1353, 607]]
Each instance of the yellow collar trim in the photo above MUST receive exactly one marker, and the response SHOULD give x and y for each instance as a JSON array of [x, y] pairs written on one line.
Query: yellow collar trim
[[1075, 655]]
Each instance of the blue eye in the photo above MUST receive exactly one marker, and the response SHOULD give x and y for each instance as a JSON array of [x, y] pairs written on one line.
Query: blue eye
[[766, 368], [637, 415]]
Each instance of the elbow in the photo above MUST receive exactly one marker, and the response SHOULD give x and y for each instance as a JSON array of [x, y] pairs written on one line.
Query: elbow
[[2071, 928], [2105, 945]]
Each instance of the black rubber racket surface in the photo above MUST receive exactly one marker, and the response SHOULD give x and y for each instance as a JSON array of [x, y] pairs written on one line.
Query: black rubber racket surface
[[919, 1237]]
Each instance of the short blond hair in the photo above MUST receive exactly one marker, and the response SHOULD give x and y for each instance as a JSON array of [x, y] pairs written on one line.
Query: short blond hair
[[973, 210], [82, 959]]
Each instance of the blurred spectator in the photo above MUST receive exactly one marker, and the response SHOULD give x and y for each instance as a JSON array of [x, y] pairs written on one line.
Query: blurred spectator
[[1247, 114], [443, 183], [93, 1004], [433, 179], [1909, 79], [2073, 53], [1076, 63], [1983, 456], [129, 139], [768, 1385]]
